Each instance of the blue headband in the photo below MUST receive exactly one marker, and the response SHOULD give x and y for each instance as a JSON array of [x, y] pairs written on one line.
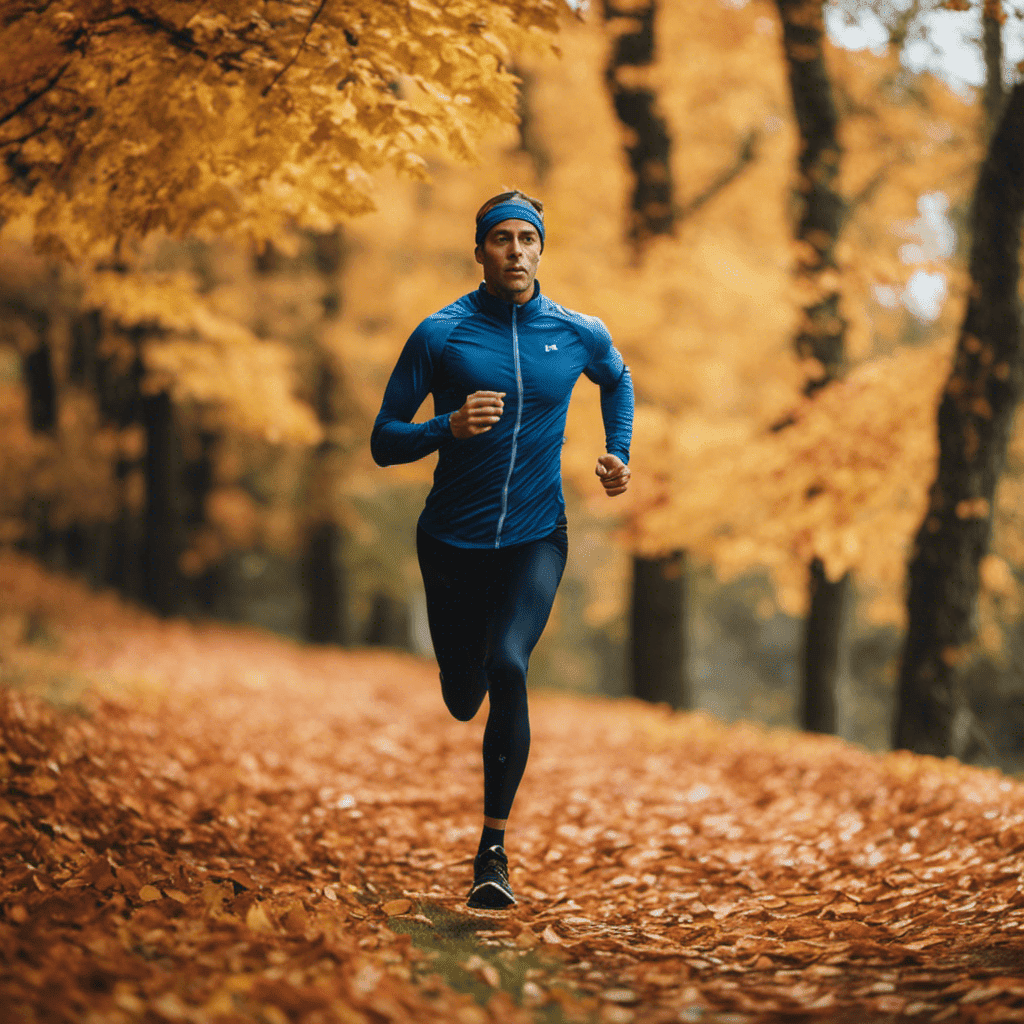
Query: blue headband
[[511, 210]]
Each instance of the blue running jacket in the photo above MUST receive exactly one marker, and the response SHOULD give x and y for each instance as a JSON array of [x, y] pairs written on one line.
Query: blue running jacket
[[504, 486]]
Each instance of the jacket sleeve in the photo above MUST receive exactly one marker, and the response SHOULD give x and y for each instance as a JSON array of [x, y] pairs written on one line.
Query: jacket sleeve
[[610, 373], [395, 437]]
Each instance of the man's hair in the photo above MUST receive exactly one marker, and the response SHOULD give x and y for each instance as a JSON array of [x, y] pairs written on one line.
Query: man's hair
[[505, 197]]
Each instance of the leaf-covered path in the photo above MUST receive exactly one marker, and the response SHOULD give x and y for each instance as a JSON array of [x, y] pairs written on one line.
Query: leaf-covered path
[[221, 826]]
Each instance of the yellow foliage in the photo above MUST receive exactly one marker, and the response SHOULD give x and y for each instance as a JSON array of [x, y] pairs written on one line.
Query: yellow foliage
[[251, 139], [846, 481], [68, 471], [240, 120], [714, 469], [707, 321], [202, 357]]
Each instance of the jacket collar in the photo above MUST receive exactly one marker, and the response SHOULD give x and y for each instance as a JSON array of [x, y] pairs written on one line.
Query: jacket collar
[[502, 310]]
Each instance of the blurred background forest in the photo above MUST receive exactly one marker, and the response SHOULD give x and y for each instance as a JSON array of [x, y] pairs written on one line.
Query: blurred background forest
[[185, 414]]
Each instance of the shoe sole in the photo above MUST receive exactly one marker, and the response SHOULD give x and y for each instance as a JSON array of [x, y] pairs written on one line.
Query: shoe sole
[[490, 896]]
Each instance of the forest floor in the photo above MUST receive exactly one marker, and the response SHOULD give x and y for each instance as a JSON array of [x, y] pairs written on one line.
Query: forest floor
[[200, 823]]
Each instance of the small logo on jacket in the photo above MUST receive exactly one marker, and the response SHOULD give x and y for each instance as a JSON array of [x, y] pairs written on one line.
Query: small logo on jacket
[[550, 348]]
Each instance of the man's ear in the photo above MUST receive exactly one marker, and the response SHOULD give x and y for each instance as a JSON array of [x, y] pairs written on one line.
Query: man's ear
[[478, 254]]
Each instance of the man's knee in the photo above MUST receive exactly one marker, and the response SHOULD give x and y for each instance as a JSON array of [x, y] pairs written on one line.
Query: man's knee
[[505, 671], [463, 701], [462, 709]]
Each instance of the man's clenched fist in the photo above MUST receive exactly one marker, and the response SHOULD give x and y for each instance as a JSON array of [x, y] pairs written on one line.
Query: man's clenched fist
[[481, 411], [614, 474]]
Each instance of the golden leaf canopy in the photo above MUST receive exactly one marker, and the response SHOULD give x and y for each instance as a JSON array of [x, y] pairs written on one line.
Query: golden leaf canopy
[[119, 120]]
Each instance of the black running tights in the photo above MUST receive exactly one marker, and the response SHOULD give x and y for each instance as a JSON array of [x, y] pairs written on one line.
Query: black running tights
[[487, 608]]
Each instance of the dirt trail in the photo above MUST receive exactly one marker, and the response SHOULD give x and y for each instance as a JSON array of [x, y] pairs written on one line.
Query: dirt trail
[[217, 825]]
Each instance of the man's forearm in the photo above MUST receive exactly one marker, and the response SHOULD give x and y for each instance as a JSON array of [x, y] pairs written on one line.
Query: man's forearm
[[617, 413], [395, 441]]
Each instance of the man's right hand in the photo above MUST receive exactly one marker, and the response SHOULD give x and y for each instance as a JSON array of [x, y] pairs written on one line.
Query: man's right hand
[[482, 410]]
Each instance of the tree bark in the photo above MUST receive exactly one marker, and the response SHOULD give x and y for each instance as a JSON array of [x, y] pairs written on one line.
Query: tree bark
[[975, 415], [323, 570], [42, 388], [159, 547], [648, 146], [388, 623], [994, 94], [197, 594], [324, 573], [657, 643], [825, 627], [531, 139], [820, 207], [117, 389], [820, 211]]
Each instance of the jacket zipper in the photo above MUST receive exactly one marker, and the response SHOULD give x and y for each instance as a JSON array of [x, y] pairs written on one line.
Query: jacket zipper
[[515, 429]]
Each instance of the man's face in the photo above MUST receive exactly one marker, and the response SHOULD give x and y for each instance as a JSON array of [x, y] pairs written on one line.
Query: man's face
[[509, 255]]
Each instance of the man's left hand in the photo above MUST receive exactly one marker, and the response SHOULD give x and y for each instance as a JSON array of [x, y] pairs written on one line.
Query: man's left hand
[[614, 474]]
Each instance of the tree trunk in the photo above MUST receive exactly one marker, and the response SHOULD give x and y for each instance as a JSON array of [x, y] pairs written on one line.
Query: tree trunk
[[42, 389], [322, 571], [119, 395], [43, 540], [823, 649], [197, 590], [821, 335], [657, 636], [388, 624], [531, 139], [994, 94], [159, 547], [324, 575], [648, 145], [658, 625], [974, 420], [820, 208]]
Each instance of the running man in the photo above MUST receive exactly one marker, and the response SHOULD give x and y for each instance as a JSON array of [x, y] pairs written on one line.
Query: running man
[[501, 363]]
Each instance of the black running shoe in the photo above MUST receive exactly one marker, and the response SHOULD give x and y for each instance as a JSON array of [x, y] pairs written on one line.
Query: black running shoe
[[490, 881]]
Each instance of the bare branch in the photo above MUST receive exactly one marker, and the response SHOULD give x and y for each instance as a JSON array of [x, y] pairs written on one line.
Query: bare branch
[[34, 95], [179, 37], [869, 189], [747, 153], [38, 130], [295, 56]]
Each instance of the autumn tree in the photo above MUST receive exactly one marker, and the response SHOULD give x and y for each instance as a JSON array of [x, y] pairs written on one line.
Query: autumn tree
[[820, 337], [658, 622], [118, 122], [69, 473], [975, 415], [147, 375], [741, 491], [994, 91], [706, 318], [323, 567]]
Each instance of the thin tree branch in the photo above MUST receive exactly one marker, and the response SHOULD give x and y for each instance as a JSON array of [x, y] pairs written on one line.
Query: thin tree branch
[[869, 189], [747, 153], [295, 56], [34, 95], [179, 37], [38, 130], [993, 93]]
